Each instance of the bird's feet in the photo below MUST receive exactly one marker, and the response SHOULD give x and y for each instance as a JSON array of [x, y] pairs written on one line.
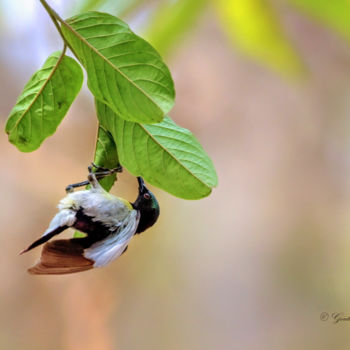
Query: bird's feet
[[104, 171], [99, 174]]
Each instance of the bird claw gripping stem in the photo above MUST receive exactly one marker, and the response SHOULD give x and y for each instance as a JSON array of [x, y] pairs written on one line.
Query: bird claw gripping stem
[[100, 173]]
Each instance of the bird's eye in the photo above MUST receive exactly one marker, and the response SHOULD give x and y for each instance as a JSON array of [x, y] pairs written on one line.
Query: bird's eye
[[146, 196]]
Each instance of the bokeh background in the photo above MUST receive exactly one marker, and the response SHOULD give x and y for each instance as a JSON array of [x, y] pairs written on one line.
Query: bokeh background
[[265, 86]]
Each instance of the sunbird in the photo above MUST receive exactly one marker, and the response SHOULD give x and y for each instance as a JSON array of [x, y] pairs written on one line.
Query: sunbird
[[109, 223]]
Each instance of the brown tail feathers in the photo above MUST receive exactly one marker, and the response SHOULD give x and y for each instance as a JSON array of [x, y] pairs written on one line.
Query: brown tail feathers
[[61, 257]]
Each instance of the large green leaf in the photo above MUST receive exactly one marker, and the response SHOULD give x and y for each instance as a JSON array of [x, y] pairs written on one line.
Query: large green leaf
[[166, 155], [335, 14], [253, 27], [171, 21], [124, 71], [44, 102]]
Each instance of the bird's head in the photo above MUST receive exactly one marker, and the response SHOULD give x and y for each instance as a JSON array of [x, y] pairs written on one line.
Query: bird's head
[[147, 204]]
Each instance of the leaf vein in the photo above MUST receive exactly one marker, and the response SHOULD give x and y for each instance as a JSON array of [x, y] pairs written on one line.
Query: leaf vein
[[105, 35], [154, 82], [172, 155], [97, 52], [96, 25]]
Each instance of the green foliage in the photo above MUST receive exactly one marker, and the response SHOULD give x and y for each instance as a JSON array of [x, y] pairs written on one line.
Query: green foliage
[[335, 14], [133, 88], [253, 27], [171, 21], [164, 154], [124, 71], [44, 102]]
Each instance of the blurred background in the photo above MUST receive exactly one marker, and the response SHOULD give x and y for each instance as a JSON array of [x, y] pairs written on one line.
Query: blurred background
[[265, 86]]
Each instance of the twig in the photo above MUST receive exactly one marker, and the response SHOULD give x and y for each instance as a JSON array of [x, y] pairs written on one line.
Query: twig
[[55, 19]]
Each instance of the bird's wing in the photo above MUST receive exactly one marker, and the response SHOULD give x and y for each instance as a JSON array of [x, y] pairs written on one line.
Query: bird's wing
[[61, 257], [110, 248], [65, 217], [70, 255], [61, 221]]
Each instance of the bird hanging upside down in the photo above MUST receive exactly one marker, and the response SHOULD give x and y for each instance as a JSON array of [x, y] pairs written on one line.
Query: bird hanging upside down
[[108, 221]]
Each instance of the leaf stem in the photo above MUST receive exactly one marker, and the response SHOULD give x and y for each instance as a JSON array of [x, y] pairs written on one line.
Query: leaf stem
[[55, 17], [53, 14]]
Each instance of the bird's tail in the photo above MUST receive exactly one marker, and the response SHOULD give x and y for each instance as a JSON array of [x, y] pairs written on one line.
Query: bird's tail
[[61, 257], [44, 238]]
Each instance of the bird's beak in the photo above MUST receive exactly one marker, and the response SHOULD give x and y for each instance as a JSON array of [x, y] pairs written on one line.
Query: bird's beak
[[142, 186]]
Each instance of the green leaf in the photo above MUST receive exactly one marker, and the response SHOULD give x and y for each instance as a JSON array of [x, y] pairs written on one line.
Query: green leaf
[[253, 27], [106, 156], [164, 154], [171, 22], [44, 102], [124, 71], [335, 14]]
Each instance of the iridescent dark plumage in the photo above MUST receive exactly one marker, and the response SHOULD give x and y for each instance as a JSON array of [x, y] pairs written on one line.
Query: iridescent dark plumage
[[147, 204]]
